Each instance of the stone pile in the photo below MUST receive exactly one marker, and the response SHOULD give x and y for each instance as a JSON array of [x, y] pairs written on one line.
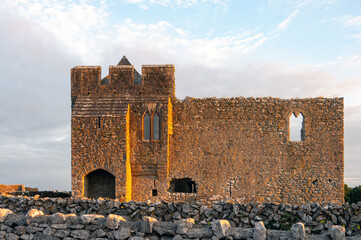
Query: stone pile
[[317, 218], [35, 225]]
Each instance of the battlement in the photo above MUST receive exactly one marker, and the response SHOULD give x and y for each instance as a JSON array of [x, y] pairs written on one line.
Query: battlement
[[155, 80]]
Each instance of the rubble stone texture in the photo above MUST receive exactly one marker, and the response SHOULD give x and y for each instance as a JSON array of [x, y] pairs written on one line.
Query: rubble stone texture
[[76, 228], [216, 148]]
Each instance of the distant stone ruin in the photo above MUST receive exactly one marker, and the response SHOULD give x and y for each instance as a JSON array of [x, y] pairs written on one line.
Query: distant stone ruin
[[132, 139]]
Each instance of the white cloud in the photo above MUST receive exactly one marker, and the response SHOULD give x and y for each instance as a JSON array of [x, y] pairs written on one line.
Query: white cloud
[[285, 23], [353, 21]]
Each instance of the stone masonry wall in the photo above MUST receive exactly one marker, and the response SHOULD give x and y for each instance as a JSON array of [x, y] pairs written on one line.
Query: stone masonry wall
[[228, 148], [239, 148], [317, 218], [36, 225], [11, 188]]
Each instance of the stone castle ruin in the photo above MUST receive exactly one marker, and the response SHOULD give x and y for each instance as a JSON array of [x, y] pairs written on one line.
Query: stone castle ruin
[[132, 139]]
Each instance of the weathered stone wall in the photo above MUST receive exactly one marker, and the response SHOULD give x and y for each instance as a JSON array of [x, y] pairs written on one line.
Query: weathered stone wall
[[318, 219], [98, 147], [99, 129], [11, 188], [36, 225], [148, 157], [157, 80], [235, 148], [240, 148]]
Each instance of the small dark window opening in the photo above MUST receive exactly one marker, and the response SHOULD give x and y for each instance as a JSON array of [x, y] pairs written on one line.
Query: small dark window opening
[[183, 185], [98, 121], [154, 192], [315, 181], [88, 93], [115, 93]]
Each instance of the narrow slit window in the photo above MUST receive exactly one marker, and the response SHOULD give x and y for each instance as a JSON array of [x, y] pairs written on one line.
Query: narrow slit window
[[99, 126], [146, 127], [156, 127], [296, 127]]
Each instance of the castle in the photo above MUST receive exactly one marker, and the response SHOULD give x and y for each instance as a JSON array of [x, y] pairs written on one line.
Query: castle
[[132, 139]]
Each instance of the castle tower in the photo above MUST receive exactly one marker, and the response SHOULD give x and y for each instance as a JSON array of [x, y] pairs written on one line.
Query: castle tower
[[120, 130]]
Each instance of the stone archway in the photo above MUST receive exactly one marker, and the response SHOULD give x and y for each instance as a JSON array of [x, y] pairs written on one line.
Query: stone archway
[[99, 183]]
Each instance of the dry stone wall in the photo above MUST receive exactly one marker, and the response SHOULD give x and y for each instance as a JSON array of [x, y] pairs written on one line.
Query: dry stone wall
[[36, 225], [317, 218]]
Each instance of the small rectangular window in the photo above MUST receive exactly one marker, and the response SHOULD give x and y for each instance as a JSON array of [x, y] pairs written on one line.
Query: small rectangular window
[[154, 192]]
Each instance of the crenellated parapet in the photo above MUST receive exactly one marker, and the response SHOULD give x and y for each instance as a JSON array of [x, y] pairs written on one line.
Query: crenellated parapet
[[156, 80]]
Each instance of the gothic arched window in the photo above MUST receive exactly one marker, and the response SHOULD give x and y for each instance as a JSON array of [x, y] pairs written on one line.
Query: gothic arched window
[[146, 127], [156, 127]]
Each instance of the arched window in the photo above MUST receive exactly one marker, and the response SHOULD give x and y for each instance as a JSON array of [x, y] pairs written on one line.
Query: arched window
[[146, 127], [296, 127], [156, 126]]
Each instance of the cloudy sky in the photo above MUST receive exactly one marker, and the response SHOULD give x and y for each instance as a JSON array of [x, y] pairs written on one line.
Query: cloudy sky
[[279, 48]]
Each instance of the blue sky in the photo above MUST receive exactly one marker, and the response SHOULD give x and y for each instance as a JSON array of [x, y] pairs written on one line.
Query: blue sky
[[222, 48]]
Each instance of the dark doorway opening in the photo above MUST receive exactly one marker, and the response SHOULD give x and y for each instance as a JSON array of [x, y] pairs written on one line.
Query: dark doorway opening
[[99, 183], [182, 185]]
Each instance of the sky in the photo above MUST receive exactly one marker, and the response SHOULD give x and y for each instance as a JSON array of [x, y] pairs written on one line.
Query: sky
[[222, 48]]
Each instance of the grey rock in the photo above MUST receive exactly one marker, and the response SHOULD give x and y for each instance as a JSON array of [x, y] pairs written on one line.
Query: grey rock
[[137, 238], [60, 226], [146, 226], [177, 237], [81, 234], [186, 207], [334, 219], [42, 236], [204, 232], [163, 228], [49, 231], [62, 233], [276, 234], [90, 218], [26, 237], [4, 213], [338, 233], [57, 218], [184, 225], [298, 231], [33, 213], [19, 230], [122, 233], [220, 227], [177, 216], [98, 233], [113, 221], [260, 231], [11, 236], [240, 233], [342, 220]]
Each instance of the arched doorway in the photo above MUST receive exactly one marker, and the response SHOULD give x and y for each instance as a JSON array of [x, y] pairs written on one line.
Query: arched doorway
[[99, 183]]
